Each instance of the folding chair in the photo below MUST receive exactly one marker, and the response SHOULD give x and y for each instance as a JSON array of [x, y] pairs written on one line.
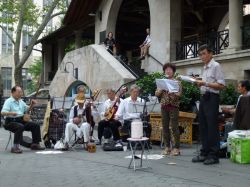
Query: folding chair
[[9, 141]]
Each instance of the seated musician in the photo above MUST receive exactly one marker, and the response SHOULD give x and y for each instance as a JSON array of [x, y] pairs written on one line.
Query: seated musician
[[123, 110], [110, 108], [14, 109], [78, 121]]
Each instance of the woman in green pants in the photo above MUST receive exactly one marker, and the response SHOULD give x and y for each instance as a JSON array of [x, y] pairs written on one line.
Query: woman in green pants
[[170, 114]]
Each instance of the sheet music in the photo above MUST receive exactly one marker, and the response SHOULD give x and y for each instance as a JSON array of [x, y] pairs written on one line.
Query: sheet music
[[58, 102], [168, 85], [150, 107]]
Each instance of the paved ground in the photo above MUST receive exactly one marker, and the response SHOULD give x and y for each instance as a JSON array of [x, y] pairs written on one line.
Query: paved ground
[[107, 169]]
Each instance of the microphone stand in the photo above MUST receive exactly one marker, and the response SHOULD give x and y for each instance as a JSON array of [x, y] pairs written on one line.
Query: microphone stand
[[145, 121]]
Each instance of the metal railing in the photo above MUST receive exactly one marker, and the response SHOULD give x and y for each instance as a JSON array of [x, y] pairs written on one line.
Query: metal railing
[[155, 59], [188, 48], [135, 74]]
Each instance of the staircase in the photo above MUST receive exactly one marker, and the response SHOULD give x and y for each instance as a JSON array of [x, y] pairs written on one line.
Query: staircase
[[134, 67]]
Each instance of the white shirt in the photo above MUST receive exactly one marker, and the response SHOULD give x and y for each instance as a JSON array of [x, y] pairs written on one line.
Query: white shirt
[[147, 40], [94, 113], [79, 112], [107, 104], [248, 94], [212, 73], [123, 110]]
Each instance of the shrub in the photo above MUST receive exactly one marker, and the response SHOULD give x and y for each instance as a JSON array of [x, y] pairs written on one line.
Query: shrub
[[229, 95], [190, 92]]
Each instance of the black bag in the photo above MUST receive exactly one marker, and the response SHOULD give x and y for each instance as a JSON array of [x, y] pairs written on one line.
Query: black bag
[[110, 146]]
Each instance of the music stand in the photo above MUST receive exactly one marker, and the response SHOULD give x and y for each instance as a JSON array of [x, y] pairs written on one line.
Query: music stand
[[142, 109]]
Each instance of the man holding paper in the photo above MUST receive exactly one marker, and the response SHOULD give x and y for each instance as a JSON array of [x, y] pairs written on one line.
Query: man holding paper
[[169, 91], [210, 85]]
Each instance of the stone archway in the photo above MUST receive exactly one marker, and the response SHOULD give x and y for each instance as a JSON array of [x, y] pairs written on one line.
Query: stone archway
[[112, 16]]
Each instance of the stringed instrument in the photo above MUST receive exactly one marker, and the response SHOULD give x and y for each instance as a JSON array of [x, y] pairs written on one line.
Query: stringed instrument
[[88, 111], [113, 109], [26, 116]]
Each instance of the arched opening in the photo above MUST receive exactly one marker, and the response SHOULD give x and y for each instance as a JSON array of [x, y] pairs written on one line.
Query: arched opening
[[132, 21], [72, 89]]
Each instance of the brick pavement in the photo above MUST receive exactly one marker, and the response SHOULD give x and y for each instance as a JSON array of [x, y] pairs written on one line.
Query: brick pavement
[[107, 169]]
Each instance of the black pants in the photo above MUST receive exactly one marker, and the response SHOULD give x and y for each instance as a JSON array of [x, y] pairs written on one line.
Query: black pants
[[17, 126], [113, 125], [209, 128]]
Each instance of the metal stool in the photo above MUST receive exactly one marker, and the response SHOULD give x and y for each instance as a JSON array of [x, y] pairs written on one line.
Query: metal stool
[[9, 141]]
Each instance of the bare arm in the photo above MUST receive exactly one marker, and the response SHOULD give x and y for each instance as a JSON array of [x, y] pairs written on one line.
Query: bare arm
[[215, 85], [8, 113]]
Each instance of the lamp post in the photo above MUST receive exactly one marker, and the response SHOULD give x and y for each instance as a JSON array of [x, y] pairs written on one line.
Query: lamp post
[[75, 70]]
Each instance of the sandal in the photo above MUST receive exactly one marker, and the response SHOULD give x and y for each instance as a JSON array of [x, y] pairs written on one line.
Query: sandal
[[175, 152], [166, 151]]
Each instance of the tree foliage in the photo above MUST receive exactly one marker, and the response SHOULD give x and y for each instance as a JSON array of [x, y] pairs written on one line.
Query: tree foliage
[[19, 14]]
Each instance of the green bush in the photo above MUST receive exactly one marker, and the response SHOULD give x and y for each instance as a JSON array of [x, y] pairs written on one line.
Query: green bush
[[190, 92], [229, 95], [147, 83]]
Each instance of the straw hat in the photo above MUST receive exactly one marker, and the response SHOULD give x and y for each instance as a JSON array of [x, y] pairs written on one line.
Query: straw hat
[[80, 98]]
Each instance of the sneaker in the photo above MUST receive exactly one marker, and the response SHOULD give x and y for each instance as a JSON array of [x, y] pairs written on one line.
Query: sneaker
[[106, 141], [118, 145], [66, 147], [166, 151], [80, 141], [210, 161], [36, 147], [198, 158], [142, 58]]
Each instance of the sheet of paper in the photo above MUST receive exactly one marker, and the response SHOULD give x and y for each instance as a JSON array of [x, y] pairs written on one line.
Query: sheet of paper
[[168, 85], [187, 78]]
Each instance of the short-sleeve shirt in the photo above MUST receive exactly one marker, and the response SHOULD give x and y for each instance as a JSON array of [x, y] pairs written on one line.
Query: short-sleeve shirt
[[148, 40], [109, 42], [212, 73], [12, 105]]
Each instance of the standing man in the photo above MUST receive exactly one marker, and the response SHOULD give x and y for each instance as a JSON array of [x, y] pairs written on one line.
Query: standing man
[[210, 85], [13, 110]]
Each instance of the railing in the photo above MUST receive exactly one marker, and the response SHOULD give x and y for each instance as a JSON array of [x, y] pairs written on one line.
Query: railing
[[246, 37], [155, 59], [124, 64], [218, 41]]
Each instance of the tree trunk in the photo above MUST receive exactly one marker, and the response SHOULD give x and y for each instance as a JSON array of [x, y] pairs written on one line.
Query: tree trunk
[[18, 76]]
